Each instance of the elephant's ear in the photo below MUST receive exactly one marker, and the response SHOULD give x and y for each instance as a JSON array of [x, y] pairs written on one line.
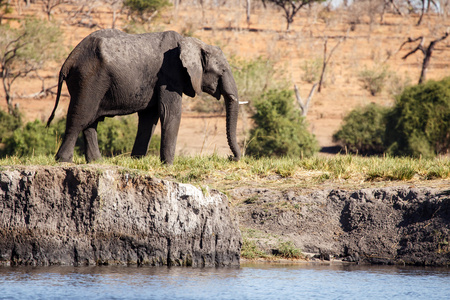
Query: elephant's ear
[[191, 58]]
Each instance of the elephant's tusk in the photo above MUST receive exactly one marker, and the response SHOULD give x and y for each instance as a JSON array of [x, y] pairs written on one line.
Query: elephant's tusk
[[243, 102]]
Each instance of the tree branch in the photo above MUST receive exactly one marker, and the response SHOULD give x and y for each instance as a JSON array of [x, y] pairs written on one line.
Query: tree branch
[[419, 47], [326, 60], [304, 106], [426, 52]]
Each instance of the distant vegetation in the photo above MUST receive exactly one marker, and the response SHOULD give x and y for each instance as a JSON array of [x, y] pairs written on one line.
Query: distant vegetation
[[115, 136], [363, 130], [280, 130], [418, 125], [25, 50]]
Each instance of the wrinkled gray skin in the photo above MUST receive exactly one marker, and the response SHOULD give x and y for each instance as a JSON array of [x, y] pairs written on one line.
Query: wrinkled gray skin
[[113, 73]]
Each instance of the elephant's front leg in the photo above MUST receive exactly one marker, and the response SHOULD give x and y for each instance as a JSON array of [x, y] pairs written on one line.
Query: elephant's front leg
[[146, 126], [170, 115]]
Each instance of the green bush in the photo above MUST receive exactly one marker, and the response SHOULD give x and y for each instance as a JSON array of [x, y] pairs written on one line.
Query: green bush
[[144, 8], [288, 250], [363, 130], [33, 139], [8, 123], [279, 130], [115, 136], [374, 79], [311, 70], [419, 124]]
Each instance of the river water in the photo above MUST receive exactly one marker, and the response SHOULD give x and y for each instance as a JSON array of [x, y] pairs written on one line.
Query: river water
[[250, 281]]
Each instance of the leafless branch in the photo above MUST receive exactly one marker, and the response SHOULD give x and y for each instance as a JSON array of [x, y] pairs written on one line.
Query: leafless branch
[[427, 52], [326, 60], [304, 106]]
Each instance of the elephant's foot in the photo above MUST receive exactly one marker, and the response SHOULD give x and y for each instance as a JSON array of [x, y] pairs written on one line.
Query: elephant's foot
[[233, 158], [93, 159], [62, 159], [92, 155]]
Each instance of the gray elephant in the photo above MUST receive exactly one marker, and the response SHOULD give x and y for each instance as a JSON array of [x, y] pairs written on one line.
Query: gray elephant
[[113, 73]]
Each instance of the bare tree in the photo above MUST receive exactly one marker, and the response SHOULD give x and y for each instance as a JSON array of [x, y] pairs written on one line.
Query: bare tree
[[444, 7], [83, 13], [8, 55], [49, 5], [426, 51], [326, 60], [425, 4], [390, 5], [24, 51], [116, 6], [290, 8], [304, 106], [248, 9]]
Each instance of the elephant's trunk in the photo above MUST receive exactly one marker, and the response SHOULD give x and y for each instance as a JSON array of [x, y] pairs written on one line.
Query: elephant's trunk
[[229, 92]]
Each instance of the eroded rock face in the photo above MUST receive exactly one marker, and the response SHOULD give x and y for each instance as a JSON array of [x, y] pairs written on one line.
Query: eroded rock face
[[85, 216], [392, 225]]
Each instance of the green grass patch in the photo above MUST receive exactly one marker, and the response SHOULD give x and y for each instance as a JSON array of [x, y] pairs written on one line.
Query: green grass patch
[[250, 250], [289, 251], [219, 172]]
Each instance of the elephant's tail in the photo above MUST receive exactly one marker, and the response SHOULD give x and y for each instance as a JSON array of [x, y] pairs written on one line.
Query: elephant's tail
[[58, 95]]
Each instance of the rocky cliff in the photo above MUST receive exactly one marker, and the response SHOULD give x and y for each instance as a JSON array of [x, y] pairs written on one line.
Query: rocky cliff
[[392, 225], [95, 215]]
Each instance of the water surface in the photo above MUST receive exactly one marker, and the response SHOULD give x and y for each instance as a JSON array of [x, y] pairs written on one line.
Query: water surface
[[251, 281]]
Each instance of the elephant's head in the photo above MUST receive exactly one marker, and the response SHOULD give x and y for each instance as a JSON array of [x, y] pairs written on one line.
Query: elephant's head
[[210, 72]]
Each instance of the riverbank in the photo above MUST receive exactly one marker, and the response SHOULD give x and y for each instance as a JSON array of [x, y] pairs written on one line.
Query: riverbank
[[102, 216], [392, 225], [99, 214]]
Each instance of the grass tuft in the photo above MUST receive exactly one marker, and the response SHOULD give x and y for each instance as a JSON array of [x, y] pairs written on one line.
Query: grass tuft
[[219, 172], [288, 250]]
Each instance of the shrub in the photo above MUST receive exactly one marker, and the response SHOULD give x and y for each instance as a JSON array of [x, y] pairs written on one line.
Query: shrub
[[279, 130], [419, 124], [250, 249], [311, 70], [374, 79], [144, 8], [115, 136], [254, 77], [34, 139], [288, 250], [363, 130], [8, 123]]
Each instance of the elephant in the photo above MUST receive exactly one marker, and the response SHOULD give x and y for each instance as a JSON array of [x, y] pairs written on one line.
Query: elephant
[[111, 73]]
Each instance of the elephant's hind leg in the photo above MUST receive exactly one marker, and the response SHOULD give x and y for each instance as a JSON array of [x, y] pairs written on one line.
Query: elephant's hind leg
[[82, 116], [65, 152], [92, 152]]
